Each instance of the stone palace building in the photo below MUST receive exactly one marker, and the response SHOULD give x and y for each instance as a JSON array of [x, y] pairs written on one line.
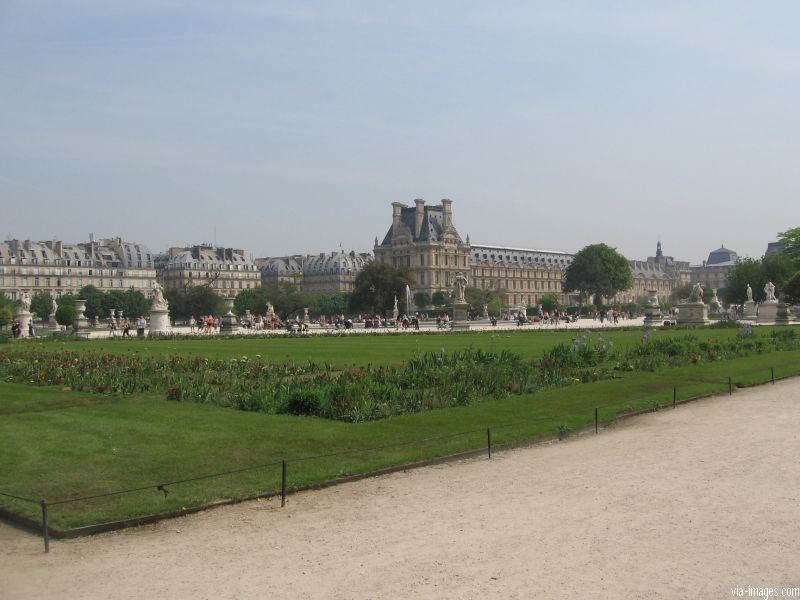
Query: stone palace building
[[424, 239], [327, 273], [59, 268], [225, 270]]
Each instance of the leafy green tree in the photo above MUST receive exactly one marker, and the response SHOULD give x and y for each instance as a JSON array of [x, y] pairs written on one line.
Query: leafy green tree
[[746, 271], [253, 299], [41, 304], [94, 302], [6, 302], [550, 302], [790, 240], [135, 303], [329, 305], [422, 299], [792, 289], [598, 270], [194, 301], [779, 268], [65, 314], [377, 285], [5, 316], [441, 298]]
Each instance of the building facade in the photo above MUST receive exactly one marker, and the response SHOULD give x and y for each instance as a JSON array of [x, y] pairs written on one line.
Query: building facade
[[325, 273], [424, 239], [225, 270], [59, 268], [713, 273], [521, 276]]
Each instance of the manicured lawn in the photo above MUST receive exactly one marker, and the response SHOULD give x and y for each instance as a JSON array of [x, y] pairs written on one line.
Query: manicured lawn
[[363, 349], [59, 445]]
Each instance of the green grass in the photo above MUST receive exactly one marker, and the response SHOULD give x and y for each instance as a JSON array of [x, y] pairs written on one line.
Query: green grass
[[363, 349], [59, 445]]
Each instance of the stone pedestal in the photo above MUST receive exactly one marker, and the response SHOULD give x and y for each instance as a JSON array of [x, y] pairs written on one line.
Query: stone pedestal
[[80, 326], [692, 313], [52, 324], [783, 316], [652, 311], [24, 319], [767, 312], [159, 321], [460, 317], [229, 323], [749, 313]]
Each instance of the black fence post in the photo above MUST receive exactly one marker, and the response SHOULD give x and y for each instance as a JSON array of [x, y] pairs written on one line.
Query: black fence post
[[772, 370], [45, 526], [674, 396], [596, 419], [283, 483], [489, 441], [730, 386]]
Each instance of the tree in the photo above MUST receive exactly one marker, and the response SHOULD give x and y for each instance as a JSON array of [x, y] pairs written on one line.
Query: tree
[[377, 285], [422, 299], [94, 302], [790, 240], [440, 298], [779, 268], [747, 271], [42, 304], [550, 302], [600, 271], [194, 301], [792, 290], [5, 316], [65, 314]]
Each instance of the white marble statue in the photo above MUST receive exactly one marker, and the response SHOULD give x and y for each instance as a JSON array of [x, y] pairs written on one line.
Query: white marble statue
[[460, 284], [159, 303], [53, 306], [749, 293], [697, 293], [25, 302], [769, 290], [270, 309]]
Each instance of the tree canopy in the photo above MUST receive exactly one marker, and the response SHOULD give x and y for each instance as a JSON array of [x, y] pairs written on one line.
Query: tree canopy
[[779, 268], [377, 285], [598, 270], [790, 240]]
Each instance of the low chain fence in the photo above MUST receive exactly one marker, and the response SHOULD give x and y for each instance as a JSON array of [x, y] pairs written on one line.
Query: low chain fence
[[272, 479]]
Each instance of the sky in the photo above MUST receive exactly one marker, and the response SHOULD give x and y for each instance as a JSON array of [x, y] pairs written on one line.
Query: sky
[[291, 127]]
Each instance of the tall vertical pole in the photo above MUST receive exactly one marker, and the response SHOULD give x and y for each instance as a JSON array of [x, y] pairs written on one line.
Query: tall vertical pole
[[45, 526], [489, 441], [674, 396], [283, 483], [596, 420]]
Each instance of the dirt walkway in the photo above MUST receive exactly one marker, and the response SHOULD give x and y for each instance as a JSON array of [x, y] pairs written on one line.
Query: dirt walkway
[[678, 504]]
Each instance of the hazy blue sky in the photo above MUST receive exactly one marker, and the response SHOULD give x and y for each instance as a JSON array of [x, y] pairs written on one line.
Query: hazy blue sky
[[292, 126]]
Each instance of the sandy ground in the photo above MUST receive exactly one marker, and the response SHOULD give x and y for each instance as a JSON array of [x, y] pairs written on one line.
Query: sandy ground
[[678, 504]]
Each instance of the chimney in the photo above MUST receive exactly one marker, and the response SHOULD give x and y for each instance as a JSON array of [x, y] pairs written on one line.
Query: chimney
[[397, 213], [419, 216], [447, 213], [26, 245]]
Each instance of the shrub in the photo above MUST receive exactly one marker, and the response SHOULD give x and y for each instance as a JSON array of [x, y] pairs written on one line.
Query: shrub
[[65, 314]]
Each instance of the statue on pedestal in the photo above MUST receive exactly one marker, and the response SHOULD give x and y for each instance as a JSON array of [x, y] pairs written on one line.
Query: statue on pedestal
[[697, 293], [769, 290], [460, 284], [749, 293], [25, 302], [159, 303]]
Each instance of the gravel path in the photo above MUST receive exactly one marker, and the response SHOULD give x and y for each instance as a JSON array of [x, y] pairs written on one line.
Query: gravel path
[[679, 504]]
